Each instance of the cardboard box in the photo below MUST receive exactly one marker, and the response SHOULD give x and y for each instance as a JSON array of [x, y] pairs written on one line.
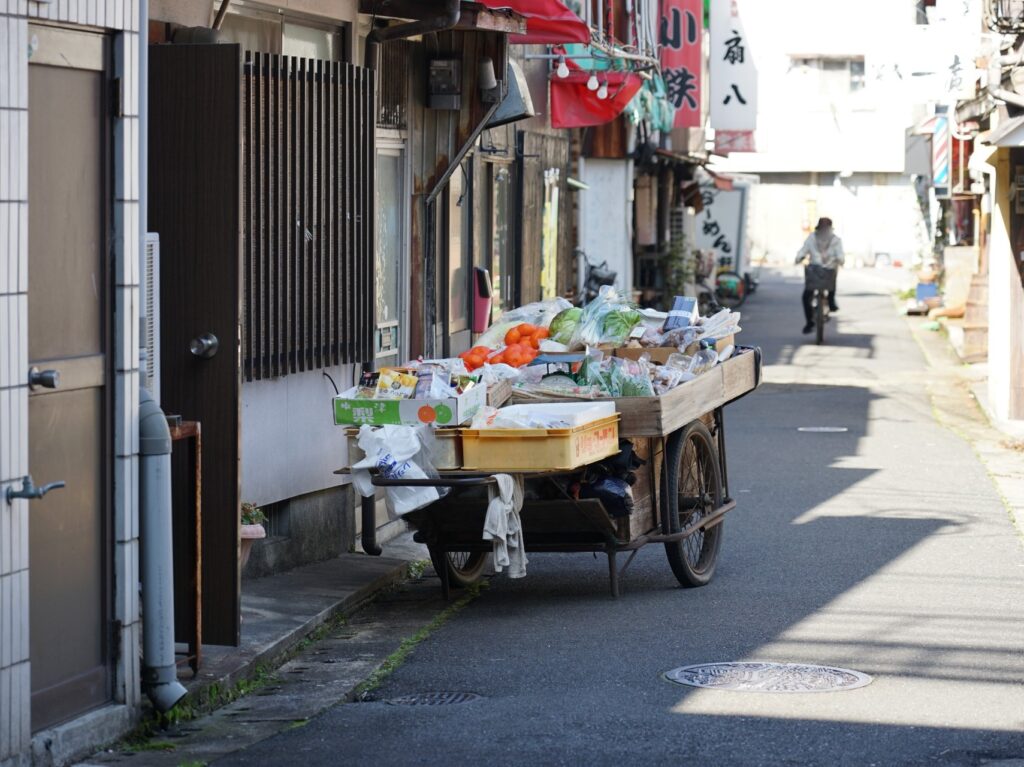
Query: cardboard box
[[450, 411], [660, 354]]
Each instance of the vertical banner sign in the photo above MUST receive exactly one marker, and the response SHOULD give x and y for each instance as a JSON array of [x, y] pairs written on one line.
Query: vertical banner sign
[[681, 35], [733, 74], [941, 155]]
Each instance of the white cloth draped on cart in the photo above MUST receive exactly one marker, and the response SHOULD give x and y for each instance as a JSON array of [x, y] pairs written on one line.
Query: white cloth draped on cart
[[503, 527]]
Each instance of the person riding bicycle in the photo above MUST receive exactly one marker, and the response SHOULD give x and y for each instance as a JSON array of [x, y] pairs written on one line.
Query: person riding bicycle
[[823, 248]]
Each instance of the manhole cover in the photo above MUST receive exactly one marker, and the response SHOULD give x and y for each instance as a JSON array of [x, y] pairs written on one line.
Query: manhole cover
[[768, 677], [433, 699], [823, 429]]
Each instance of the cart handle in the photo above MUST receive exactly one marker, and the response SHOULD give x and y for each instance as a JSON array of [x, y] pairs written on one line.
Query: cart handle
[[439, 482]]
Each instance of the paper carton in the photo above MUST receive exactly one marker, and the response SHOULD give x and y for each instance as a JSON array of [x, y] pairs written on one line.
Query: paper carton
[[449, 411]]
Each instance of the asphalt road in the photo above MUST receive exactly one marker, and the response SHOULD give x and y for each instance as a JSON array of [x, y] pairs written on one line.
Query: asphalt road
[[883, 549]]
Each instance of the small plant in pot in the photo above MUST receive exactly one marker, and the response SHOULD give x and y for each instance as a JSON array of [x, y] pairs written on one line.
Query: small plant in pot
[[252, 528]]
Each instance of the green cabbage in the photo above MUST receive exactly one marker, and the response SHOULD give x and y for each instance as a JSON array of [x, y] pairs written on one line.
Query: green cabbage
[[564, 324]]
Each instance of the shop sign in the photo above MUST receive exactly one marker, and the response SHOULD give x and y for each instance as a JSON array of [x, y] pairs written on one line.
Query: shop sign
[[733, 74], [681, 36]]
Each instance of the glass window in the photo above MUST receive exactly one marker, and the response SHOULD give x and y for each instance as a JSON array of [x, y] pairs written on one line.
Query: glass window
[[502, 274], [309, 42], [389, 261], [856, 75]]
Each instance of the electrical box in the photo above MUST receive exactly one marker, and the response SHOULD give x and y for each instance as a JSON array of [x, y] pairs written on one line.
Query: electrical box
[[444, 84]]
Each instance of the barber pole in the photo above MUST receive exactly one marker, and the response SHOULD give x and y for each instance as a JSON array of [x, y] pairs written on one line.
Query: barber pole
[[941, 152]]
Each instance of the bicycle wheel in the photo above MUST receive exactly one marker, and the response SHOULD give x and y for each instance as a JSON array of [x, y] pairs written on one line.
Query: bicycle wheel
[[691, 489], [730, 290], [464, 567], [819, 316]]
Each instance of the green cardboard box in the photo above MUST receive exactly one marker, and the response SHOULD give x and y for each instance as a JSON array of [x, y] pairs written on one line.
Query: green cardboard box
[[451, 411]]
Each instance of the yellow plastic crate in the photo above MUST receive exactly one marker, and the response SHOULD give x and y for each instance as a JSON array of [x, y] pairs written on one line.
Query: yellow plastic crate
[[540, 449]]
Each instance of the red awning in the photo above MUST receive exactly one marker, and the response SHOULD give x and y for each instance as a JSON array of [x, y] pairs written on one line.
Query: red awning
[[573, 105], [547, 21]]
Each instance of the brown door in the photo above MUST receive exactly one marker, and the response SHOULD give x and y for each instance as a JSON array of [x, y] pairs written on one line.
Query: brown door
[[69, 434]]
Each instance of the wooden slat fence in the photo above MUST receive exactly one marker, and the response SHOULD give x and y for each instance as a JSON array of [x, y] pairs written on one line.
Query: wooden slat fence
[[308, 214]]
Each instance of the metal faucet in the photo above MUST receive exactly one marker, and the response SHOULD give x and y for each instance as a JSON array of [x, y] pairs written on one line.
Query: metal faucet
[[29, 490]]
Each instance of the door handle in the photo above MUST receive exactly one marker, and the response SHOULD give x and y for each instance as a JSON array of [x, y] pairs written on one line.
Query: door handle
[[47, 379], [204, 346], [29, 490]]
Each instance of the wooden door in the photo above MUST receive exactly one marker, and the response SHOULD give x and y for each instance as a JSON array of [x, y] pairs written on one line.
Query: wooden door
[[69, 307], [194, 204]]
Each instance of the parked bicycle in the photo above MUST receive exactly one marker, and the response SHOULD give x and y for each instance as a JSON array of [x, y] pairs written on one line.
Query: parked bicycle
[[730, 289], [595, 277]]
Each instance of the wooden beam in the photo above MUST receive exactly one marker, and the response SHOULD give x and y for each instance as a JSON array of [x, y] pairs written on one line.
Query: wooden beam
[[479, 17]]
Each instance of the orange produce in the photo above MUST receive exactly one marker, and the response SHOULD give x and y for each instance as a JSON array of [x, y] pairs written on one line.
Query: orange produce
[[513, 336]]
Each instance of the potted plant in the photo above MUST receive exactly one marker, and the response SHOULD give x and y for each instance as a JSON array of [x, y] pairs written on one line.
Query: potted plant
[[252, 528]]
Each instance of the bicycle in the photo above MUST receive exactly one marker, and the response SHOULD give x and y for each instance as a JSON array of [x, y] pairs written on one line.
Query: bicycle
[[819, 279], [729, 292]]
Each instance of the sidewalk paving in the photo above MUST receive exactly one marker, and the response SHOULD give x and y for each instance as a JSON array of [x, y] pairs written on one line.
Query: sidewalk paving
[[958, 394]]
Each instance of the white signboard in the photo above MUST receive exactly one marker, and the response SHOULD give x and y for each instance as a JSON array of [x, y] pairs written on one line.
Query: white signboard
[[720, 226], [733, 76], [930, 62]]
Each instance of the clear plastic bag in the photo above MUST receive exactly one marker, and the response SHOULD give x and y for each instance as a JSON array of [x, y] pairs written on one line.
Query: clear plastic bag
[[537, 313], [596, 327]]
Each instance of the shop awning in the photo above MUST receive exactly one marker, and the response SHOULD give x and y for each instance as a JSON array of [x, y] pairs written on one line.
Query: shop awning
[[1008, 133], [547, 21], [574, 105]]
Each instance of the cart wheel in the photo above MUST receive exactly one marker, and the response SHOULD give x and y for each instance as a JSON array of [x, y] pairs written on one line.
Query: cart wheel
[[692, 488], [464, 567]]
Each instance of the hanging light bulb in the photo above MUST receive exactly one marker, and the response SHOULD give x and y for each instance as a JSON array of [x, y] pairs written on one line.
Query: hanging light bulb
[[602, 92], [592, 83], [562, 70]]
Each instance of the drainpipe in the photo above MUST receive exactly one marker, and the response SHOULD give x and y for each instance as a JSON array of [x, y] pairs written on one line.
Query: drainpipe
[[445, 19], [159, 671]]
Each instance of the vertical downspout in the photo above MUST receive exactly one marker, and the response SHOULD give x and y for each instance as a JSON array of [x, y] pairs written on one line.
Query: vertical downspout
[[159, 671]]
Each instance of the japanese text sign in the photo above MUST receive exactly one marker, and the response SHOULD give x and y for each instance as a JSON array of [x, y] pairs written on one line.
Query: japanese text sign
[[680, 35], [733, 75]]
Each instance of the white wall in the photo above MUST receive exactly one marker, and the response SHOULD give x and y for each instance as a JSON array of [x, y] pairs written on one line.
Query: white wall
[[606, 216], [290, 445], [799, 129]]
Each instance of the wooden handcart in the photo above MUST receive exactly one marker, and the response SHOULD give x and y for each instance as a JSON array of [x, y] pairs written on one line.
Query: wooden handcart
[[680, 497]]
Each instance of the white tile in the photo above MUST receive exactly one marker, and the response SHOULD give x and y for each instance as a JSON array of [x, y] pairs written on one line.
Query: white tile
[[21, 252], [6, 435], [19, 535], [21, 123], [8, 39], [8, 318], [20, 364], [126, 437], [7, 148], [6, 712], [8, 245], [126, 567], [22, 737], [6, 538], [125, 494], [21, 616], [19, 455], [125, 328], [7, 608]]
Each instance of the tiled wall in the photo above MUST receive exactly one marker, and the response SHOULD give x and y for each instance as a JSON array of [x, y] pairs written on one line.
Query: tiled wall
[[122, 15]]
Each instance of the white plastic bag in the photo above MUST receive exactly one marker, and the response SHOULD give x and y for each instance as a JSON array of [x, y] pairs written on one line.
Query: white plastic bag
[[396, 453]]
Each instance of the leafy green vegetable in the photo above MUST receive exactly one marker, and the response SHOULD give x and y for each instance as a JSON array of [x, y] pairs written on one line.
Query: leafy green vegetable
[[564, 324], [617, 324]]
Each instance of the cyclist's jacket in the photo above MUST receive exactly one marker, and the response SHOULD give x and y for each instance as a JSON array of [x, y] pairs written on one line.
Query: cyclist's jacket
[[830, 256]]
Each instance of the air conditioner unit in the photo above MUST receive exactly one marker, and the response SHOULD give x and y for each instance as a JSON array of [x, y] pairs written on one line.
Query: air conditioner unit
[[150, 316]]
